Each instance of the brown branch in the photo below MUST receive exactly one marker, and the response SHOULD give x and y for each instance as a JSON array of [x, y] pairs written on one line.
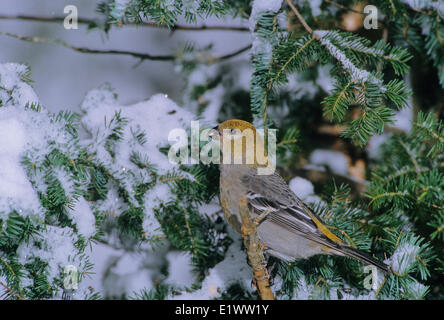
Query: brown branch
[[139, 55], [43, 19], [300, 18], [231, 55], [426, 12], [198, 28], [143, 24], [255, 252]]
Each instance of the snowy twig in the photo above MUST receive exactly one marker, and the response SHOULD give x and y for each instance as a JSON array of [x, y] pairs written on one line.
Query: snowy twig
[[144, 24], [142, 56], [255, 252]]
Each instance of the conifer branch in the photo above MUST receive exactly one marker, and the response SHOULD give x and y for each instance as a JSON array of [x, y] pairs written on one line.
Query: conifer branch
[[387, 194], [412, 157], [291, 58]]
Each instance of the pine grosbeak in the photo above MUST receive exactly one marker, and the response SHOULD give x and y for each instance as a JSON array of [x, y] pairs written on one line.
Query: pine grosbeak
[[287, 227]]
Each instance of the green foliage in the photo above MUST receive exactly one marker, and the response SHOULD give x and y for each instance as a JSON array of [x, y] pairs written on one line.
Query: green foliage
[[160, 12], [236, 292], [358, 87], [261, 60], [327, 277], [160, 292], [423, 29], [50, 171], [399, 219], [354, 86], [410, 178]]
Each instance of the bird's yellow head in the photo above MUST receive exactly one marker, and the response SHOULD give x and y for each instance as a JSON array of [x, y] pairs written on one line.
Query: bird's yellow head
[[234, 124], [241, 144]]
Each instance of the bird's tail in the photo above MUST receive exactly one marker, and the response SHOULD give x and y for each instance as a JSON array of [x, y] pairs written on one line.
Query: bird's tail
[[364, 257]]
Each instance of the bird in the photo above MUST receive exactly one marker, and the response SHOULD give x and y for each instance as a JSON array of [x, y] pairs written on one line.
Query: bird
[[286, 226]]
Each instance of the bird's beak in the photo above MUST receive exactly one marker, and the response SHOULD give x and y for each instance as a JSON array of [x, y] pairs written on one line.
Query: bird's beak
[[216, 128]]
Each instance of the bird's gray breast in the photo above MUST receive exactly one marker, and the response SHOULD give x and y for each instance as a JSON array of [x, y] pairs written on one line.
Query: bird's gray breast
[[231, 190]]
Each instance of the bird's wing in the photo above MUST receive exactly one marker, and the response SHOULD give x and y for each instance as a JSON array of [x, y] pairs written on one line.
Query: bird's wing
[[271, 196]]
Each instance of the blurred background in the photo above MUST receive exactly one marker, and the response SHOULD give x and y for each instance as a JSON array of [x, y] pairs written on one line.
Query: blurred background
[[62, 76]]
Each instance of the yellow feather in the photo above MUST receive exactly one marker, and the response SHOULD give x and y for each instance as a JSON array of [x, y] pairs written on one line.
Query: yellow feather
[[324, 229]]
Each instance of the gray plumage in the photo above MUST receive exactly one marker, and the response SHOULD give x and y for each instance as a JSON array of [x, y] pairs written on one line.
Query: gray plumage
[[290, 230]]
